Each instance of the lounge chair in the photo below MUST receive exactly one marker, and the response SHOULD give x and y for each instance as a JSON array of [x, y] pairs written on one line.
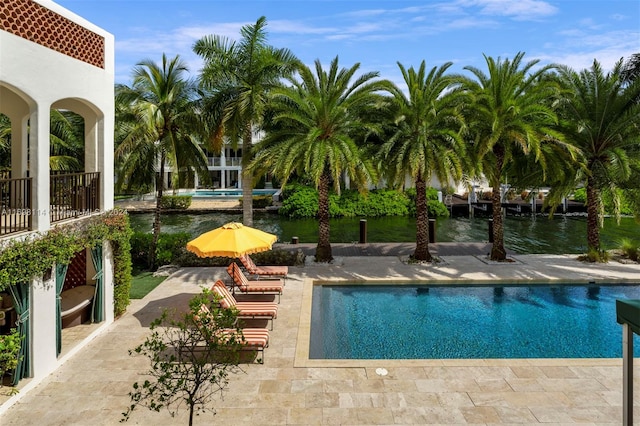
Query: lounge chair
[[264, 271], [253, 339], [273, 286], [247, 310]]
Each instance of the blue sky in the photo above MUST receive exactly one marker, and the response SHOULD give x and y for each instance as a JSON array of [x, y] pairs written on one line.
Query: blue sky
[[377, 33]]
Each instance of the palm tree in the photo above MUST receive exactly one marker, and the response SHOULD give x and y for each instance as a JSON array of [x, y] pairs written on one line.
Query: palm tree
[[66, 141], [160, 125], [5, 143], [510, 114], [314, 120], [240, 76], [602, 118], [426, 139], [631, 69]]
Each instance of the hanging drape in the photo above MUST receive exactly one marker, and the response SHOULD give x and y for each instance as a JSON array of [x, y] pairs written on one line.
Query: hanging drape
[[97, 310], [20, 295], [61, 273]]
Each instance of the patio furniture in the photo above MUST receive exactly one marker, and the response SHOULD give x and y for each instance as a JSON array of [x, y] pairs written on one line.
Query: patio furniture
[[247, 310], [273, 286], [270, 271]]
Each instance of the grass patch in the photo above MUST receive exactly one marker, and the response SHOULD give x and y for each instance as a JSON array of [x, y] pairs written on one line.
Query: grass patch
[[143, 282]]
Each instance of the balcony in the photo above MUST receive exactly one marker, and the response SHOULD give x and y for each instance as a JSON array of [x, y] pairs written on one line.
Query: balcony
[[74, 195], [70, 196], [15, 203], [228, 161]]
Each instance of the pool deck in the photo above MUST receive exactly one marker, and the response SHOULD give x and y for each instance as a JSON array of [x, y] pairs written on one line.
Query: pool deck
[[92, 387]]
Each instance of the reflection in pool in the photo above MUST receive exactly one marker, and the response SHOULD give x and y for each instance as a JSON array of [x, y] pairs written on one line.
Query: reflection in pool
[[439, 322]]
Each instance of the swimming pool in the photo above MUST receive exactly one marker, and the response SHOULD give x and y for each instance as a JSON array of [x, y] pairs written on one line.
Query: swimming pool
[[462, 322], [226, 193]]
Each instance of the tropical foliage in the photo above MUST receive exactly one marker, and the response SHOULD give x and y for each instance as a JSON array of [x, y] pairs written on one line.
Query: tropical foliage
[[160, 127], [315, 118], [237, 78], [601, 117], [426, 139], [511, 115], [66, 142]]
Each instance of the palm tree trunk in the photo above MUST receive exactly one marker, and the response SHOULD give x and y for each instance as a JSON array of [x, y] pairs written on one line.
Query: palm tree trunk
[[156, 217], [593, 212], [498, 252], [247, 178], [323, 250], [422, 222]]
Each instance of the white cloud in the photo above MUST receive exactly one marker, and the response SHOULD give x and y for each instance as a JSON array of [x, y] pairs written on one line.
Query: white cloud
[[521, 10]]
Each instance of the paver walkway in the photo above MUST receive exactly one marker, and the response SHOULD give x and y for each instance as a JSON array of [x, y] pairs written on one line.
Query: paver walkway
[[92, 388]]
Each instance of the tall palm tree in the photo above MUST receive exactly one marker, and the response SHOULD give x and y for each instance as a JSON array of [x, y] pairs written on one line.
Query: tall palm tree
[[510, 114], [160, 126], [315, 119], [602, 118], [240, 75], [426, 139]]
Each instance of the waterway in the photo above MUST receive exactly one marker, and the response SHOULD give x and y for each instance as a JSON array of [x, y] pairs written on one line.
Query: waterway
[[523, 234]]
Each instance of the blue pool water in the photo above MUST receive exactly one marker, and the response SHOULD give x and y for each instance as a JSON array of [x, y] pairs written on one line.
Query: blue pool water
[[436, 322], [226, 193]]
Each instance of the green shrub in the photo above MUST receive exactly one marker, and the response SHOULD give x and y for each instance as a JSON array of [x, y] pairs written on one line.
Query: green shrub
[[299, 202], [302, 202], [175, 202], [167, 252], [168, 246], [435, 208], [140, 243], [630, 248], [595, 256], [9, 352]]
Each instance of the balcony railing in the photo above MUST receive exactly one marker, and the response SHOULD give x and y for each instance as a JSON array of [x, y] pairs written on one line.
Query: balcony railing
[[15, 203], [74, 195], [229, 161]]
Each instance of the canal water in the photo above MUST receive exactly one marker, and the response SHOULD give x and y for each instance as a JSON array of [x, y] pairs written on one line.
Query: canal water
[[523, 234]]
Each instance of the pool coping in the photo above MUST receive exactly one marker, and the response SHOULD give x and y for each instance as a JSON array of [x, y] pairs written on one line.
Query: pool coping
[[301, 357]]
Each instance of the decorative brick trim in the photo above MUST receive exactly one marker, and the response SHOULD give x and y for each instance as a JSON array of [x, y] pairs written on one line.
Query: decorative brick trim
[[36, 23]]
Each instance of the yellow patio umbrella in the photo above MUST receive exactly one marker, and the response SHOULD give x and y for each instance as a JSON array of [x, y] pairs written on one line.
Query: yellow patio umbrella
[[231, 240]]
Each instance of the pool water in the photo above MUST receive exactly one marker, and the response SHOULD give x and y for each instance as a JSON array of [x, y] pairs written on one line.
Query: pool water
[[226, 193], [470, 322]]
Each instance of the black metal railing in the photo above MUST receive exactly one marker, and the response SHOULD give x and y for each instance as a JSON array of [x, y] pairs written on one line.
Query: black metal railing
[[74, 195], [15, 205]]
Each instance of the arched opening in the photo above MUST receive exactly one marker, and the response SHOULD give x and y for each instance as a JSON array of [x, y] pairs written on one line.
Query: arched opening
[[15, 181], [74, 149]]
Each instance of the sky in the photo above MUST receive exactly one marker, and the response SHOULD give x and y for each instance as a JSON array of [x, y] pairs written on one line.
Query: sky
[[376, 33]]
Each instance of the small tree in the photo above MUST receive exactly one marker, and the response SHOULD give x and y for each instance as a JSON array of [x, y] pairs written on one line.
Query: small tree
[[191, 354]]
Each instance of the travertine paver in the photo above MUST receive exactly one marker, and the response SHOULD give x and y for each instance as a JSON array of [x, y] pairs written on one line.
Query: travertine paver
[[92, 387]]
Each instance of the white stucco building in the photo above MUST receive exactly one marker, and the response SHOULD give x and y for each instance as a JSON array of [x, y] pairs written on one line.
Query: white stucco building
[[52, 59]]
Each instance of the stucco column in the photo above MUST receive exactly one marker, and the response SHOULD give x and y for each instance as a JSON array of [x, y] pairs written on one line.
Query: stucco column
[[19, 151], [107, 279], [105, 162], [42, 312], [39, 166]]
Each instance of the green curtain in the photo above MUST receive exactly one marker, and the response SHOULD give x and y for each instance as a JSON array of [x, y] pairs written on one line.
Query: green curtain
[[97, 310], [61, 273], [20, 294]]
